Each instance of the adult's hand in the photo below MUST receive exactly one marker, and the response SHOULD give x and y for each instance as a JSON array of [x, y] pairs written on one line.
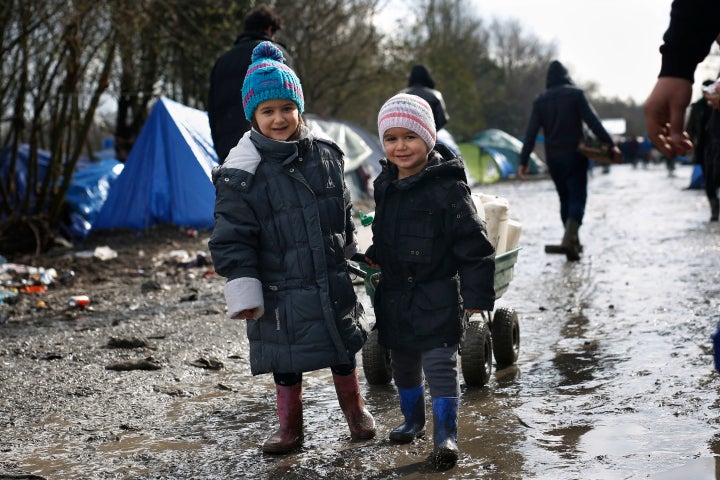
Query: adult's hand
[[665, 115]]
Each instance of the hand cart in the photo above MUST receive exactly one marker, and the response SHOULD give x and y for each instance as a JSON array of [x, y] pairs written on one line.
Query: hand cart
[[485, 335]]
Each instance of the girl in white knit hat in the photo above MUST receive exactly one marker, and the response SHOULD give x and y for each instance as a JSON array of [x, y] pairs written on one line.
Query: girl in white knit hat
[[437, 264]]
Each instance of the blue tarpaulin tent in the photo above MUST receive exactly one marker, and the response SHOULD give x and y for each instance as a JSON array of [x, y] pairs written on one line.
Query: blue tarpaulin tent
[[166, 178]]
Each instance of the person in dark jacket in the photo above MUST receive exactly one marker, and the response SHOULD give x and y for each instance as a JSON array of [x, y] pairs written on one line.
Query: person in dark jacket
[[561, 111], [711, 149], [283, 231], [701, 111], [694, 26], [421, 83], [225, 104], [437, 263]]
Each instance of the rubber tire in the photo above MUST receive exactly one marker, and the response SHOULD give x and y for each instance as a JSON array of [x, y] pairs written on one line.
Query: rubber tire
[[376, 361], [505, 337], [476, 354]]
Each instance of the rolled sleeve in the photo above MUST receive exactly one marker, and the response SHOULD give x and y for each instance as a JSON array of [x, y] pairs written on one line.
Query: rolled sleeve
[[244, 294]]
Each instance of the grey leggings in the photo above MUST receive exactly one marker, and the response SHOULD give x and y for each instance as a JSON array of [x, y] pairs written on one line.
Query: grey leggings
[[438, 364]]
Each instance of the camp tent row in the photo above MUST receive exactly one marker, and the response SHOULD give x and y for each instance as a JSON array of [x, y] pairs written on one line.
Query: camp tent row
[[167, 176]]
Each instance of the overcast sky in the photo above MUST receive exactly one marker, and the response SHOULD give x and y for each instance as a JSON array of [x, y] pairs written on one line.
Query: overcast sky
[[611, 42]]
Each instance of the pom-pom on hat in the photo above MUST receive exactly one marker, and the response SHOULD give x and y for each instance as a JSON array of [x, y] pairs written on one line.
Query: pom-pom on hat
[[268, 78], [411, 112]]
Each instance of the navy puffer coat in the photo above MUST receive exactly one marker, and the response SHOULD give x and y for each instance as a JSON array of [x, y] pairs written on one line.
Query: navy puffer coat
[[282, 232], [434, 253]]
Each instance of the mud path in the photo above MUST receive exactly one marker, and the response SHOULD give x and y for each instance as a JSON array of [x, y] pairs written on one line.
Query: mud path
[[614, 380]]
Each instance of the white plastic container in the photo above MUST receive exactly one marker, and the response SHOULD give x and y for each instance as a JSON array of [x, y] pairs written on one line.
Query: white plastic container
[[478, 205], [513, 234], [496, 217]]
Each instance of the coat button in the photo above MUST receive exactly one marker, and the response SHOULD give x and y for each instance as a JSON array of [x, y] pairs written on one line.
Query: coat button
[[410, 279], [292, 170], [226, 179], [300, 159], [243, 184]]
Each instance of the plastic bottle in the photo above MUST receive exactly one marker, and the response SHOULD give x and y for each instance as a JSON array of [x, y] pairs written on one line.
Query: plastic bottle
[[81, 301], [365, 219]]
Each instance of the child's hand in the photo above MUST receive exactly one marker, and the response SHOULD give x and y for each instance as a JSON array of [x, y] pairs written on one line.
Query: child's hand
[[370, 263], [248, 314]]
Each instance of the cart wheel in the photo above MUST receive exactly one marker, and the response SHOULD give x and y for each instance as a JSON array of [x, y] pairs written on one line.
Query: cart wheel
[[476, 356], [376, 361], [505, 337]]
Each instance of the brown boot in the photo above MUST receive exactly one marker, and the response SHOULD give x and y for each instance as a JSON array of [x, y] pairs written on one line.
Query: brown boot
[[290, 434], [361, 423], [570, 240]]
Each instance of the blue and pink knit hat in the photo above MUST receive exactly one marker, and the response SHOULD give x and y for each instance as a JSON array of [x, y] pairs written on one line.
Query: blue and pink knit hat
[[268, 78], [411, 112]]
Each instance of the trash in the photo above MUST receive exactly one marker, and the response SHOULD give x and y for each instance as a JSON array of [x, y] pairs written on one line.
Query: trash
[[129, 342], [41, 305], [104, 253], [148, 363], [81, 301], [7, 295], [192, 233], [150, 285], [208, 363], [34, 289], [67, 277], [365, 219]]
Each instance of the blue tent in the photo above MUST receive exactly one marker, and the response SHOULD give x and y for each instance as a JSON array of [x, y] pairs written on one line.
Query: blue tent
[[166, 178], [503, 142]]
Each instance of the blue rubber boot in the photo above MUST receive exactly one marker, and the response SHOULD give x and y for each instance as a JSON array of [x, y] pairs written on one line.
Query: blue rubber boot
[[445, 414], [412, 406]]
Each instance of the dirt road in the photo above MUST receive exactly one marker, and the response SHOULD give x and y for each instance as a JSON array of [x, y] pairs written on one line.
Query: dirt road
[[614, 381]]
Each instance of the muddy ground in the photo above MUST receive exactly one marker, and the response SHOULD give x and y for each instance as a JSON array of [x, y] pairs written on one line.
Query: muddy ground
[[614, 380]]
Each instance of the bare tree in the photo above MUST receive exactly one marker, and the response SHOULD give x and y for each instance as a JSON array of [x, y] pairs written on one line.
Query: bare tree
[[57, 57], [523, 60], [337, 53]]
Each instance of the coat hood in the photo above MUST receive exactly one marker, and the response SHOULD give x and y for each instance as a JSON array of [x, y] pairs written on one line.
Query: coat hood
[[419, 75], [557, 75]]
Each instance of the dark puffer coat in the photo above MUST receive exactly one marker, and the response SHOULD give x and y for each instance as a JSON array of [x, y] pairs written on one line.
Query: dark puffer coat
[[434, 254], [282, 232]]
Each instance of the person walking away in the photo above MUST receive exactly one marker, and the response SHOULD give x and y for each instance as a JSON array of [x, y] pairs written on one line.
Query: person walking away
[[696, 127], [694, 26], [437, 266], [421, 83], [560, 111], [283, 231], [225, 104], [712, 151]]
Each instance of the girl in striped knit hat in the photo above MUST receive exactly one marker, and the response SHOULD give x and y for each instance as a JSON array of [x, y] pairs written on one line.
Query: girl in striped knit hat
[[437, 266]]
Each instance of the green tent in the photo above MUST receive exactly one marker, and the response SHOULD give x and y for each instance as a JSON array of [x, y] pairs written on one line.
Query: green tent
[[481, 166]]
